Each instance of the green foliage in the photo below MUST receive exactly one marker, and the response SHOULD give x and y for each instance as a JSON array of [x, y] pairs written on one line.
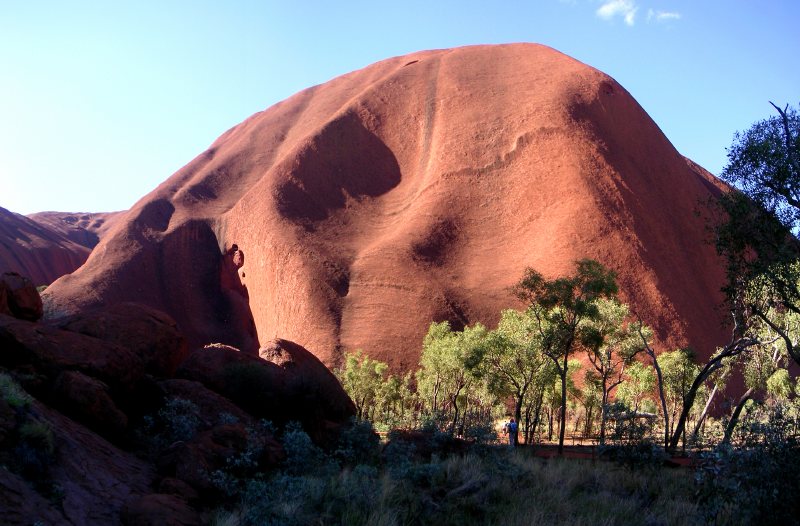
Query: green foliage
[[448, 381], [245, 464], [631, 439], [562, 307], [638, 386], [779, 384], [13, 394], [755, 482], [358, 444], [362, 379], [498, 486], [178, 420], [35, 450], [302, 455], [757, 233]]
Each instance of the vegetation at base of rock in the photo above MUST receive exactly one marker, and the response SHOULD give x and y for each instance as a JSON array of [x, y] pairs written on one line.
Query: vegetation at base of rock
[[13, 394], [496, 486], [27, 443]]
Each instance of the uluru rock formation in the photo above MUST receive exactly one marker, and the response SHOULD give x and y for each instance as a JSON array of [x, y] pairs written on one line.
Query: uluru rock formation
[[47, 245], [413, 190]]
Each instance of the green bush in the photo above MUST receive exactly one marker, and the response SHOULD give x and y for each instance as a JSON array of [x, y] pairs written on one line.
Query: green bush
[[12, 393], [755, 482], [35, 450], [178, 420], [302, 455], [357, 444]]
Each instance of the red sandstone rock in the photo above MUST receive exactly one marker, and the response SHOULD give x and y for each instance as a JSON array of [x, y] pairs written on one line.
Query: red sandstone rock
[[194, 461], [89, 401], [82, 228], [95, 477], [308, 379], [34, 250], [179, 488], [148, 333], [20, 297], [417, 190], [299, 389], [159, 510], [50, 350]]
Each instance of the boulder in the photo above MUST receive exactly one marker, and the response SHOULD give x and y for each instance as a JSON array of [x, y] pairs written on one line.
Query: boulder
[[158, 509], [89, 401], [21, 505], [49, 351], [150, 334], [249, 381], [19, 297], [316, 392]]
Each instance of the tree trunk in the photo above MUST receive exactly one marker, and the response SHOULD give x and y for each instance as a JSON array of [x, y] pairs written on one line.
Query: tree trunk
[[537, 416], [603, 417], [737, 411], [662, 397], [518, 418], [563, 424]]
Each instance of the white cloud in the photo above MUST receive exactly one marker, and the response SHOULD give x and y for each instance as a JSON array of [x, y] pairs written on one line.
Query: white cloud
[[662, 16], [624, 8]]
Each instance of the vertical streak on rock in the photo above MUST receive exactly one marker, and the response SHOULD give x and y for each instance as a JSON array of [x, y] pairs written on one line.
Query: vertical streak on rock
[[430, 117]]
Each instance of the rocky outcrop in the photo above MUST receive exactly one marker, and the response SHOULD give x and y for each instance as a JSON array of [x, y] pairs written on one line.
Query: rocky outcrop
[[159, 510], [85, 229], [415, 190], [298, 387], [36, 251], [19, 297], [150, 334]]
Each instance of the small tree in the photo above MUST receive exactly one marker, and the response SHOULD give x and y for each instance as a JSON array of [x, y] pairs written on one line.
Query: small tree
[[612, 347], [362, 379], [561, 307], [446, 371], [511, 359]]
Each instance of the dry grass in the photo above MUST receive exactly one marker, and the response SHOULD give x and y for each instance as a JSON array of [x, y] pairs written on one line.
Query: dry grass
[[498, 486]]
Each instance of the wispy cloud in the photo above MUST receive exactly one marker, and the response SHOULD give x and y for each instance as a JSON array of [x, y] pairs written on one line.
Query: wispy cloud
[[662, 16], [624, 8]]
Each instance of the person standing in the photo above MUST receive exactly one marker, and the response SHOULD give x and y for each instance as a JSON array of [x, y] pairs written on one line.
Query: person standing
[[512, 432]]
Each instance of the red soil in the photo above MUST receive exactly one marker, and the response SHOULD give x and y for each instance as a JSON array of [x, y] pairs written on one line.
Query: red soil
[[413, 190]]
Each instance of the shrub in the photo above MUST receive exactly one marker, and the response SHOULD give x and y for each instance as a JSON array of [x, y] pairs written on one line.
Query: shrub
[[302, 455], [630, 440], [12, 393], [35, 450], [755, 482], [358, 444], [178, 420]]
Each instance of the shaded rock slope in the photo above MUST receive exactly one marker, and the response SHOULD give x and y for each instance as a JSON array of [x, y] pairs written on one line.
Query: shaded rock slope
[[413, 190], [47, 245]]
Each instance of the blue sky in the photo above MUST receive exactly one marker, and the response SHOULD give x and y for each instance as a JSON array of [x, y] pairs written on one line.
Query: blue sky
[[102, 101]]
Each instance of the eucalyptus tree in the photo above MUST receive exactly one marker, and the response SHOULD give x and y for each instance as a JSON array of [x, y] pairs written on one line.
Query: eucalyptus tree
[[362, 379], [511, 359], [678, 370], [612, 345], [561, 307], [446, 371], [761, 219]]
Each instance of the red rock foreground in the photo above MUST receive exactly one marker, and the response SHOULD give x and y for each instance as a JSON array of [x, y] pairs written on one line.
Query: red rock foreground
[[415, 189], [120, 380]]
